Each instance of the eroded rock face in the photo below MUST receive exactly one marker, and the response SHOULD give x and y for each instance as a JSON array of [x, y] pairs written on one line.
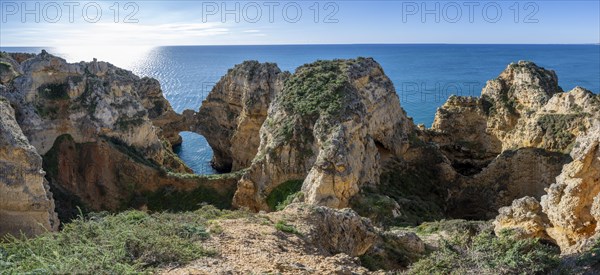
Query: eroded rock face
[[327, 127], [512, 175], [232, 114], [86, 101], [335, 231], [490, 140], [26, 204], [572, 202], [570, 209], [525, 217], [523, 107], [115, 129]]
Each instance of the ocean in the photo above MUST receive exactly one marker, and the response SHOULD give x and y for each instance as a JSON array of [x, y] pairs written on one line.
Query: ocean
[[424, 75]]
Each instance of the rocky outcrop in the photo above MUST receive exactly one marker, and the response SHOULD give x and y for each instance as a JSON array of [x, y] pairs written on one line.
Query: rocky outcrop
[[334, 231], [513, 140], [26, 204], [512, 175], [523, 107], [87, 101], [571, 205], [303, 239], [105, 135], [525, 217], [330, 127], [232, 114]]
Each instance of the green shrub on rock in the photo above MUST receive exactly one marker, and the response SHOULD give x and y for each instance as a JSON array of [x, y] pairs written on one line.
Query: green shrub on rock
[[486, 253], [129, 242]]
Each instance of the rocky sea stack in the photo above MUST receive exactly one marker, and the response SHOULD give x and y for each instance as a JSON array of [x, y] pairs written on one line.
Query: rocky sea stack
[[325, 170]]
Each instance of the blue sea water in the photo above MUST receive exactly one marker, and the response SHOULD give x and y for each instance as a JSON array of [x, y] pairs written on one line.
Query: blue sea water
[[424, 75]]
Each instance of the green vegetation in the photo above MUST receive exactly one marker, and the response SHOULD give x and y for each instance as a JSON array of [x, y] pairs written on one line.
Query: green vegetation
[[54, 91], [588, 260], [282, 205], [283, 194], [377, 207], [167, 199], [391, 255], [5, 67], [50, 112], [316, 89], [486, 253], [125, 124], [128, 242], [284, 227], [451, 226], [414, 187], [557, 130]]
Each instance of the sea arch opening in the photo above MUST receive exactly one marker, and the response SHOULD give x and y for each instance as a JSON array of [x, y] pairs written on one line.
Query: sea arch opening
[[195, 152]]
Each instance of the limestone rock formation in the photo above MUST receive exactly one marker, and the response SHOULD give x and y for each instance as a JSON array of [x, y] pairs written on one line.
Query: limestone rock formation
[[513, 140], [525, 217], [512, 175], [570, 209], [330, 127], [26, 204], [335, 231], [105, 135], [572, 202], [232, 114], [523, 107], [86, 101]]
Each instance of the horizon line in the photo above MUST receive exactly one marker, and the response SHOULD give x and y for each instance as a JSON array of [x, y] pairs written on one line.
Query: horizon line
[[313, 44]]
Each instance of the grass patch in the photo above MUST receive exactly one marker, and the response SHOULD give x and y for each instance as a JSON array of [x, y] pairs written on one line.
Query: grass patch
[[276, 200], [486, 253], [284, 227], [128, 242], [451, 226]]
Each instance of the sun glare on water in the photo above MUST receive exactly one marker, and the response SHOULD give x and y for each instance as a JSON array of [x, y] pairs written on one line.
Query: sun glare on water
[[126, 57]]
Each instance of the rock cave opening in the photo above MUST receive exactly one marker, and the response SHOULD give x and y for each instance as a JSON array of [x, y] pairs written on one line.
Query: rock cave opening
[[196, 153]]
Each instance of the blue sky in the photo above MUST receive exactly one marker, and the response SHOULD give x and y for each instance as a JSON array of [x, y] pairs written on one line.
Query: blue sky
[[204, 22]]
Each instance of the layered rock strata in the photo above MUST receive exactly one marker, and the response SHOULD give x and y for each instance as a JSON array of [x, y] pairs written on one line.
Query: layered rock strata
[[26, 204]]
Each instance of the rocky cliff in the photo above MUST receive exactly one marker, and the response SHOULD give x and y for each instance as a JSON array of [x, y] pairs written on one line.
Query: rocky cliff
[[105, 134], [513, 140], [570, 210], [523, 107], [232, 114], [26, 204], [329, 128]]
